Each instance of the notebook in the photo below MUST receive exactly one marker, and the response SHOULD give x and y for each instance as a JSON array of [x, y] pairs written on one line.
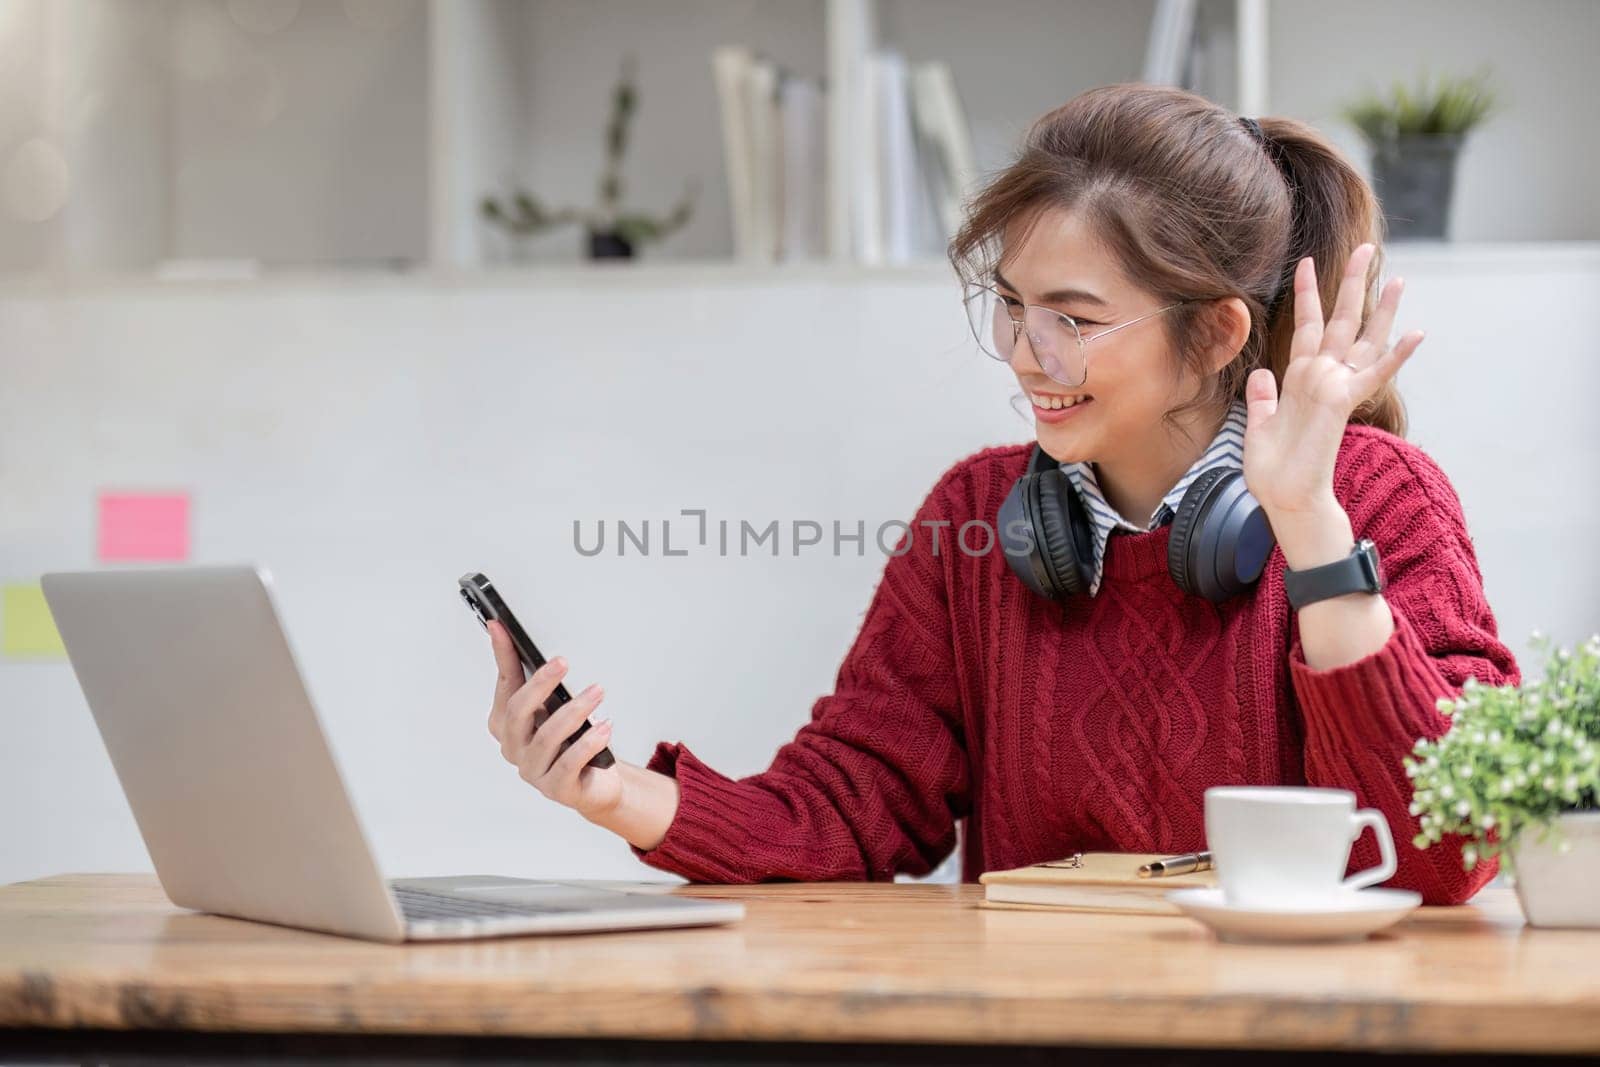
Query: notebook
[[1105, 881]]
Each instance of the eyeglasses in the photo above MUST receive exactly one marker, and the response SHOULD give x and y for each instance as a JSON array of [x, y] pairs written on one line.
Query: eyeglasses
[[1057, 342]]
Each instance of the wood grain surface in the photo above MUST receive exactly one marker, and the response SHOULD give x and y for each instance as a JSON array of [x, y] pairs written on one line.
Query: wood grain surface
[[810, 962]]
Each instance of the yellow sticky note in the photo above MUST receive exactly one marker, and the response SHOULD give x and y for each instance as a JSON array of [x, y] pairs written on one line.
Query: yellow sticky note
[[27, 629]]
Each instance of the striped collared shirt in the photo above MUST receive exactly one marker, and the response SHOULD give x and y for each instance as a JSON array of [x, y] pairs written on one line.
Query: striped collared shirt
[[1226, 450]]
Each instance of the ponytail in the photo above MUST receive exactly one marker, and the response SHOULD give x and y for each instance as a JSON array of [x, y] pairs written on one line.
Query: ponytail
[[1334, 212]]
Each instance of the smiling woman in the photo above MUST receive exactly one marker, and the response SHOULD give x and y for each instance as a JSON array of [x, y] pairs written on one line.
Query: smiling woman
[[1180, 602]]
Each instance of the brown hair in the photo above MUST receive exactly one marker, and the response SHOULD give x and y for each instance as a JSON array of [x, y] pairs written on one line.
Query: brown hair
[[1194, 208]]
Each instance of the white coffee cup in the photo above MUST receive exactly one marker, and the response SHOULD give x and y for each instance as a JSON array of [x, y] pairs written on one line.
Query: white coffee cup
[[1287, 846]]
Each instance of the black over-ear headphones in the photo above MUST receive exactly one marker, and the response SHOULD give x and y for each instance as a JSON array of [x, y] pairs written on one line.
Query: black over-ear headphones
[[1220, 536]]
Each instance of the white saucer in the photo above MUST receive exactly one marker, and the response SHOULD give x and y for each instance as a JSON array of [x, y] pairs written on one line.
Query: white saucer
[[1352, 917]]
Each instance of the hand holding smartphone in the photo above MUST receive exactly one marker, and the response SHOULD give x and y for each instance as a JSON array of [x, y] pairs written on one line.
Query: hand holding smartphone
[[486, 603]]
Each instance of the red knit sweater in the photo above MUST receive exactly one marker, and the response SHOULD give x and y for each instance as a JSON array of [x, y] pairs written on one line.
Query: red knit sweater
[[1098, 724]]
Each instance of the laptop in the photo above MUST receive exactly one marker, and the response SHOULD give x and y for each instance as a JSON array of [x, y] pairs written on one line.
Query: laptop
[[235, 790]]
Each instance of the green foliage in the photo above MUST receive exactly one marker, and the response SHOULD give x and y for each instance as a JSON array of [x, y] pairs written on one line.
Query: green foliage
[[638, 229], [525, 214], [1454, 105], [1514, 757]]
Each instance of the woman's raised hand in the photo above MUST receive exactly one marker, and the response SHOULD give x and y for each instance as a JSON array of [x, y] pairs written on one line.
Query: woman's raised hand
[[1292, 438]]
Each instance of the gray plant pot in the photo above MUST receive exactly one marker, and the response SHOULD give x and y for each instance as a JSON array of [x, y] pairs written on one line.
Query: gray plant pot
[[1557, 888], [1414, 177]]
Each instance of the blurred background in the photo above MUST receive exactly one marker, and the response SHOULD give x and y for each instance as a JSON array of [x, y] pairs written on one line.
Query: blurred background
[[377, 292]]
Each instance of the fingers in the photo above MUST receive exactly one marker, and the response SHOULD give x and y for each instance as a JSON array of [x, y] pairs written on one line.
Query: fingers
[[561, 781], [540, 753], [522, 710], [546, 742], [1261, 396], [1307, 340], [508, 680], [1345, 322], [1376, 336], [505, 658], [1388, 365]]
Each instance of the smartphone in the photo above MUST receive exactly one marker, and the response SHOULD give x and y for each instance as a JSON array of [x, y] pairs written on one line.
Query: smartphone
[[487, 605]]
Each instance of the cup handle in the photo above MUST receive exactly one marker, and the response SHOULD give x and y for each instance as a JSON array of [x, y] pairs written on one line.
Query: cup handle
[[1380, 829]]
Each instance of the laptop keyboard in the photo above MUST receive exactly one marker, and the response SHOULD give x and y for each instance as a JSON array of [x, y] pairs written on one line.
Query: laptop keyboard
[[419, 905]]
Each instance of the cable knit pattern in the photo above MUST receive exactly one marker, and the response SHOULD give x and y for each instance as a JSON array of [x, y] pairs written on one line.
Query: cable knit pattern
[[1098, 724]]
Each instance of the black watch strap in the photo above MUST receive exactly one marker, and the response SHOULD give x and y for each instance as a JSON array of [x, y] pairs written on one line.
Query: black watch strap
[[1358, 572]]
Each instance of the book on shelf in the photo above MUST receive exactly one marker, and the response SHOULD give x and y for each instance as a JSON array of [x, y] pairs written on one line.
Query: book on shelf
[[1101, 881], [1167, 52], [900, 182], [772, 139], [944, 142], [910, 165], [729, 66], [802, 117], [919, 164]]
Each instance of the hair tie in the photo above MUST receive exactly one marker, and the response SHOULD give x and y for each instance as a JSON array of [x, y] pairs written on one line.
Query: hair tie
[[1272, 157]]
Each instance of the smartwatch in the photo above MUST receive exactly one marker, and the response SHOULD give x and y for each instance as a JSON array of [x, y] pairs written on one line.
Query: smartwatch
[[1356, 573]]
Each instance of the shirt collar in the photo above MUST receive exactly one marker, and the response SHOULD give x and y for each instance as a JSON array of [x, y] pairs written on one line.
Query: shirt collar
[[1226, 450]]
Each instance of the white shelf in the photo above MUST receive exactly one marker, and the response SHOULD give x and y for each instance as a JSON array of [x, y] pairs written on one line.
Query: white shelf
[[1491, 259]]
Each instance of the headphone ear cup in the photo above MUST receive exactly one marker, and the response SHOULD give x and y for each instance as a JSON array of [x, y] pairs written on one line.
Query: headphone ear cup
[[1179, 562], [1019, 537], [1220, 537], [1065, 541]]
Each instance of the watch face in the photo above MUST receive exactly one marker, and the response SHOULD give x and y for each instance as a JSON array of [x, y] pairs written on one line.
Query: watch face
[[1368, 555]]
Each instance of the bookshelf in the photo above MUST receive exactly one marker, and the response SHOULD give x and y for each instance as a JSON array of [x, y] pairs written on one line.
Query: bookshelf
[[218, 139], [231, 138]]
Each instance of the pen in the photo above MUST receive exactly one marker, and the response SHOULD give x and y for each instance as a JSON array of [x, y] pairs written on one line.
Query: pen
[[1187, 863]]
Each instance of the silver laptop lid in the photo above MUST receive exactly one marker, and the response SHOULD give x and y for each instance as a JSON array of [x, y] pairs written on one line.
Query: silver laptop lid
[[218, 748]]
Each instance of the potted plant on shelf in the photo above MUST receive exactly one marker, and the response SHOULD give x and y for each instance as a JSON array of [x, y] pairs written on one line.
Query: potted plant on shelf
[[612, 232], [1415, 137], [1518, 775]]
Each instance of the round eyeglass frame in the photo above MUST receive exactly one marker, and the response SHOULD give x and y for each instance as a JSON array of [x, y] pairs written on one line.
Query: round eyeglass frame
[[1033, 344]]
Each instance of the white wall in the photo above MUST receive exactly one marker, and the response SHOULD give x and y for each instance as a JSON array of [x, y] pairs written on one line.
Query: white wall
[[371, 441]]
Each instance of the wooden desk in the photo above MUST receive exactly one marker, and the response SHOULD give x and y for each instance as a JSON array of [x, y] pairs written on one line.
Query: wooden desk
[[84, 958]]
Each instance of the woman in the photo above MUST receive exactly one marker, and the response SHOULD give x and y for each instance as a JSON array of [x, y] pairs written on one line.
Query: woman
[[1155, 270]]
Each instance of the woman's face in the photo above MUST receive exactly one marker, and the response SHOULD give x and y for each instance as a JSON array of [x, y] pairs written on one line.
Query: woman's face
[[1130, 381]]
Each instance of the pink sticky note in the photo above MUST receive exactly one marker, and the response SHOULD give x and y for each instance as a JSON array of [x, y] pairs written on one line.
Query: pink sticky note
[[144, 526]]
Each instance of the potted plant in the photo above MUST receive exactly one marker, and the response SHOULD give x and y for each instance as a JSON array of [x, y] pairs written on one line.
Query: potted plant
[[1518, 775], [1415, 136], [611, 232]]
